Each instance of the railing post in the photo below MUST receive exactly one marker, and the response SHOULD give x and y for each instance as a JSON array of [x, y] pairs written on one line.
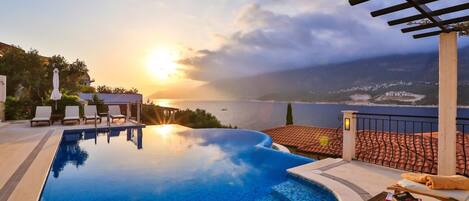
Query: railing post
[[349, 135]]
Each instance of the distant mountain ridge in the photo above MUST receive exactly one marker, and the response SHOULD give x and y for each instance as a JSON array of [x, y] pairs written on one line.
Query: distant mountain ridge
[[392, 79]]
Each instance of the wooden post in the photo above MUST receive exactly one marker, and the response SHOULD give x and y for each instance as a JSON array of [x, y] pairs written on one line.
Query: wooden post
[[349, 135], [447, 105], [139, 107], [2, 111], [128, 111], [3, 95]]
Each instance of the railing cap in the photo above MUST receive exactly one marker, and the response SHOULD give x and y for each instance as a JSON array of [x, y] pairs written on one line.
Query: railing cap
[[349, 111]]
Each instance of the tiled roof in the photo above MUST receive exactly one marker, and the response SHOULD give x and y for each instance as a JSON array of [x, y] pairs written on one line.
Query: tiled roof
[[402, 151], [326, 141]]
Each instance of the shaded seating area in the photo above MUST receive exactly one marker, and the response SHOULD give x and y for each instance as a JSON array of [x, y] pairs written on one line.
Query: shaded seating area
[[120, 106], [43, 114]]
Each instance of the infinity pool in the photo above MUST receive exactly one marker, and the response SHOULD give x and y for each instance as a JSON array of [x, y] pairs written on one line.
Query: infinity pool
[[167, 163]]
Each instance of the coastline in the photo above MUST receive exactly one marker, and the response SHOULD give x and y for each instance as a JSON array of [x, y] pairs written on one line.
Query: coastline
[[305, 102]]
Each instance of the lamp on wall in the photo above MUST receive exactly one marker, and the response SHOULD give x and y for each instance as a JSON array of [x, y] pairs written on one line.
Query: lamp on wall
[[347, 124]]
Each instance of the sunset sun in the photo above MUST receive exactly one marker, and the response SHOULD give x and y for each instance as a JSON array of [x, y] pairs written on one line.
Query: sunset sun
[[162, 63]]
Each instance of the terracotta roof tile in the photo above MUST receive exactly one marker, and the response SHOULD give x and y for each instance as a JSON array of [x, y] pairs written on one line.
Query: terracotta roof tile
[[409, 152]]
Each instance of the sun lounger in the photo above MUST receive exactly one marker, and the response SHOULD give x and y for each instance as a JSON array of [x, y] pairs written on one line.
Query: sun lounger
[[72, 113], [91, 113], [405, 185], [115, 113], [43, 114]]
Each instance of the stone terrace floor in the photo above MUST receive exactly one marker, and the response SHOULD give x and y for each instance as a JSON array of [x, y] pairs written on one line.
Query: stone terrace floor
[[350, 181]]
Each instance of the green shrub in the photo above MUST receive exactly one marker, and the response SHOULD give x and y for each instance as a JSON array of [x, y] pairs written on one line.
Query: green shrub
[[87, 89], [100, 107], [198, 119], [16, 109], [66, 100], [153, 115]]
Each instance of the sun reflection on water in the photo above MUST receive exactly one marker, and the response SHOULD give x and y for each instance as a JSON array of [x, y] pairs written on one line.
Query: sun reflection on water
[[164, 130]]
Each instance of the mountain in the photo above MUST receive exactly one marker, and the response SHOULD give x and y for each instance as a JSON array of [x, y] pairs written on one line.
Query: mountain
[[397, 79]]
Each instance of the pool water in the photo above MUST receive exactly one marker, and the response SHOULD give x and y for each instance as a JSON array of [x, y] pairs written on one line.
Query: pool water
[[170, 162]]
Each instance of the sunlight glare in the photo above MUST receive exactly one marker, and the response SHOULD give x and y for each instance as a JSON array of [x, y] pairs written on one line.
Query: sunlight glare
[[162, 63], [164, 130]]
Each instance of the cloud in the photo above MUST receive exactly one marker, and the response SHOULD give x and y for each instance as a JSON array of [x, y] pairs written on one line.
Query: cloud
[[327, 32]]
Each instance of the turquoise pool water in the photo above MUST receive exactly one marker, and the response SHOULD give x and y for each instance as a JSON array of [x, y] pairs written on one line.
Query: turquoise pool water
[[167, 163]]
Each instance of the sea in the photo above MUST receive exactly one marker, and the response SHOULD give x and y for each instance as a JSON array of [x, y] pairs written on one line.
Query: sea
[[261, 115]]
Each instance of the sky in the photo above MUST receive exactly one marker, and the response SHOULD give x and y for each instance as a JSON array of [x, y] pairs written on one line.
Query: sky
[[123, 41]]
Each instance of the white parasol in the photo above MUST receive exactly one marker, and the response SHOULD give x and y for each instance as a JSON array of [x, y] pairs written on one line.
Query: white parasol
[[56, 95]]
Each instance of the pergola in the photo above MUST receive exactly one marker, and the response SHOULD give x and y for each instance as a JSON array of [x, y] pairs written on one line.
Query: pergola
[[430, 23]]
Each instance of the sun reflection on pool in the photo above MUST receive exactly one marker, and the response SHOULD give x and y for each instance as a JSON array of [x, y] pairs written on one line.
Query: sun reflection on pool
[[164, 130]]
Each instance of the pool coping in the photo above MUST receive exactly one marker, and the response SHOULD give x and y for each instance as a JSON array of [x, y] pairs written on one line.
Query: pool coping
[[280, 147], [314, 172], [9, 187]]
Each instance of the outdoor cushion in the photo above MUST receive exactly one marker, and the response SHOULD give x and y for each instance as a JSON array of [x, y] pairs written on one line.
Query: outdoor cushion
[[421, 188], [40, 119], [114, 110], [90, 111], [119, 115], [43, 112], [72, 112], [71, 118]]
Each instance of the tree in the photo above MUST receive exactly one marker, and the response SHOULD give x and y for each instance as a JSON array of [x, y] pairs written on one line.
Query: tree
[[289, 119], [117, 90], [30, 80], [104, 89], [100, 107]]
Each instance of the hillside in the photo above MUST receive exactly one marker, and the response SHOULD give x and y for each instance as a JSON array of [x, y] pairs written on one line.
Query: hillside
[[397, 79]]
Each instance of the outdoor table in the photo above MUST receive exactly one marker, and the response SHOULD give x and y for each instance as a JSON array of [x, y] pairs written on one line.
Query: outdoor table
[[56, 117]]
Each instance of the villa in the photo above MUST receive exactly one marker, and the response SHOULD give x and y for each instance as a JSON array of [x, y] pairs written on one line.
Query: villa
[[369, 156]]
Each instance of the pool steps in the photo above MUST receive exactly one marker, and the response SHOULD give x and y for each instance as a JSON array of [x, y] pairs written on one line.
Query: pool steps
[[291, 190]]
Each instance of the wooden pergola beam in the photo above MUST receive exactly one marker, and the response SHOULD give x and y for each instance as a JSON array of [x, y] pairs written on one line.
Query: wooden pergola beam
[[425, 12], [399, 7], [439, 24], [443, 11]]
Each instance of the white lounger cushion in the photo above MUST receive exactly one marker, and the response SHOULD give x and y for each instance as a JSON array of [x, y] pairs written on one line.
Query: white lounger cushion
[[91, 111], [43, 113], [40, 119], [72, 112], [421, 188], [115, 111]]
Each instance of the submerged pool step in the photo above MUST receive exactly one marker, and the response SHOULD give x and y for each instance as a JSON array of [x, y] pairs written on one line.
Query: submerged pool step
[[293, 191], [269, 198]]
